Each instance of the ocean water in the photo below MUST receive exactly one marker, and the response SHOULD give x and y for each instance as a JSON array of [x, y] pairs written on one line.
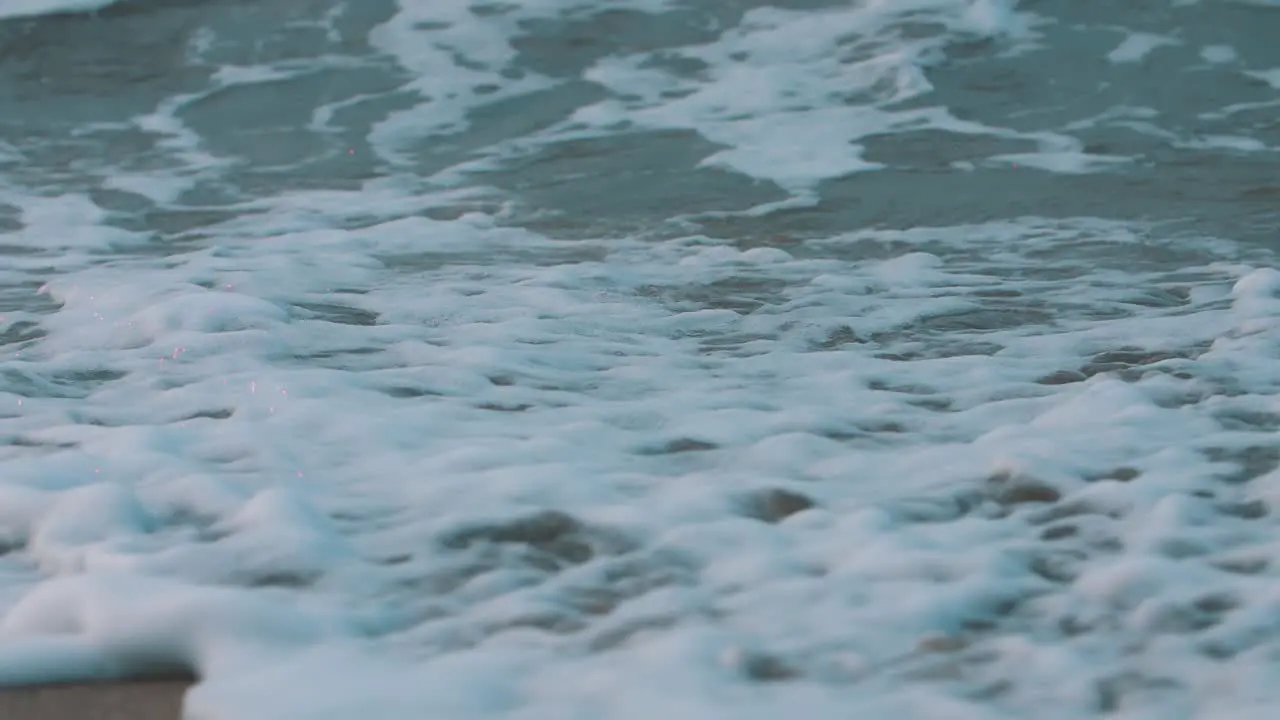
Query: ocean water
[[620, 359]]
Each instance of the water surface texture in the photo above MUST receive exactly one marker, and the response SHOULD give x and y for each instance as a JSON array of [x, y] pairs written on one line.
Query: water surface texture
[[622, 359]]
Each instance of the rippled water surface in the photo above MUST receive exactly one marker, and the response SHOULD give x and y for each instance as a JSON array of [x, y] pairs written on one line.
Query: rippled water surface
[[628, 358]]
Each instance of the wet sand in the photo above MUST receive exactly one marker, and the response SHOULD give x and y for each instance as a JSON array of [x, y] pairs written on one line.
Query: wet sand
[[132, 700]]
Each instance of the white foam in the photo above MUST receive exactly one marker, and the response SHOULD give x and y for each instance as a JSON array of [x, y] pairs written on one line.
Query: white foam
[[1071, 162], [1137, 46], [31, 8], [117, 625], [508, 373], [1219, 54], [339, 456], [1225, 142], [70, 224], [775, 86], [425, 38], [1271, 77], [780, 85]]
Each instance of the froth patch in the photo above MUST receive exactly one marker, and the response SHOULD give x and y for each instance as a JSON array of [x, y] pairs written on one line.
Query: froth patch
[[1137, 46], [69, 224], [635, 458], [75, 529], [113, 625], [791, 95], [31, 8]]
